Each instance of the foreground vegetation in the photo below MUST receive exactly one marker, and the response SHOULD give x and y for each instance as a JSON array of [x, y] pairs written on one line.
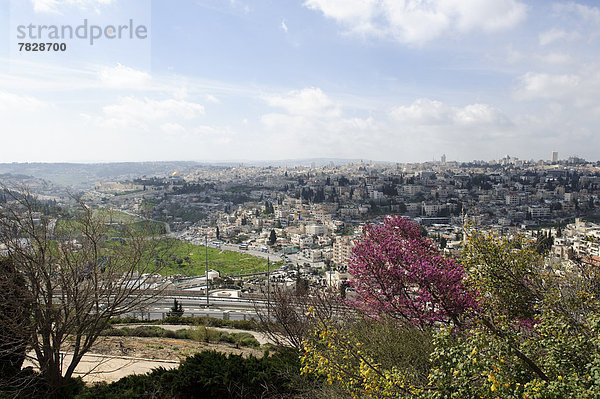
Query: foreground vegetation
[[210, 375], [498, 321], [207, 374]]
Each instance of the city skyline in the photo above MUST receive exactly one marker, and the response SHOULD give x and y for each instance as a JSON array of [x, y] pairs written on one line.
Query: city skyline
[[250, 81]]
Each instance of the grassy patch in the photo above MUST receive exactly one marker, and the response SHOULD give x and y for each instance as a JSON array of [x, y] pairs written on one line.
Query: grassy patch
[[190, 260]]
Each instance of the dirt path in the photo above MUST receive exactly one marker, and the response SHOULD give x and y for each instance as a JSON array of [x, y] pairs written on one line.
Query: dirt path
[[97, 368], [113, 358]]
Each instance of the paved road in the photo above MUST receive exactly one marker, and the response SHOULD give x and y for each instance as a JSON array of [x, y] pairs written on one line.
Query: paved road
[[273, 257]]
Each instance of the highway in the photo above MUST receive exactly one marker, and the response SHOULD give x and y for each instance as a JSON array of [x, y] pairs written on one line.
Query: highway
[[194, 305]]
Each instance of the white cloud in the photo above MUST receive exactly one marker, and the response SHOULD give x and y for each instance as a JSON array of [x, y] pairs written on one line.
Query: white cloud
[[141, 113], [50, 6], [344, 10], [179, 92], [55, 6], [576, 22], [212, 99], [214, 134], [419, 21], [284, 26], [426, 128], [586, 13], [579, 89], [405, 132], [16, 103], [306, 102], [292, 123], [555, 58], [426, 112], [547, 86], [480, 115], [314, 125], [486, 15], [423, 112], [122, 77], [173, 129], [149, 109], [551, 36], [562, 108], [210, 134], [12, 101]]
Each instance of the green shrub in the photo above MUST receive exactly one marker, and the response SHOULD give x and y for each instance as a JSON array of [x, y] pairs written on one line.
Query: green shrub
[[200, 334], [147, 331], [209, 374]]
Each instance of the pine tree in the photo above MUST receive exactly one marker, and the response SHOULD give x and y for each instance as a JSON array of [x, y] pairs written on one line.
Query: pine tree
[[176, 310], [272, 238]]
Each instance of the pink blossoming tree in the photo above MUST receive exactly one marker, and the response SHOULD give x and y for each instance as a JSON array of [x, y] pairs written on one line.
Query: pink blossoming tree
[[401, 274]]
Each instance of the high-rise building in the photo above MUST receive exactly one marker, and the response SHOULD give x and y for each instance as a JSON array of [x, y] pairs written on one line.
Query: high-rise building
[[554, 156], [443, 158], [342, 250]]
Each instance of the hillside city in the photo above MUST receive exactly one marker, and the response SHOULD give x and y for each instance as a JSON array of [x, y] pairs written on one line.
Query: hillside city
[[309, 216]]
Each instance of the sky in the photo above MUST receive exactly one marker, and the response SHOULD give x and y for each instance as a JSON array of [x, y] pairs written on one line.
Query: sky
[[236, 80]]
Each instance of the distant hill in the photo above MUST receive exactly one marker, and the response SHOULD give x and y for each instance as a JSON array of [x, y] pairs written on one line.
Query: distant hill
[[84, 175], [297, 162]]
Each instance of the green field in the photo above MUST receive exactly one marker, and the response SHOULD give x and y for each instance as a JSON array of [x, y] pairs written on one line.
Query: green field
[[183, 258], [190, 260]]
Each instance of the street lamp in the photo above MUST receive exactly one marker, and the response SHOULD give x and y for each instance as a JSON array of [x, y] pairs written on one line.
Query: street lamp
[[268, 289], [206, 253]]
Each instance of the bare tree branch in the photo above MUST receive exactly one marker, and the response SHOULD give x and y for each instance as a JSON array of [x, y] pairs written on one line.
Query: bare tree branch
[[74, 279]]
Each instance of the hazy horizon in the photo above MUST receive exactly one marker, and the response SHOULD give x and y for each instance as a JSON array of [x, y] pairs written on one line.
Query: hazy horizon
[[293, 161]]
